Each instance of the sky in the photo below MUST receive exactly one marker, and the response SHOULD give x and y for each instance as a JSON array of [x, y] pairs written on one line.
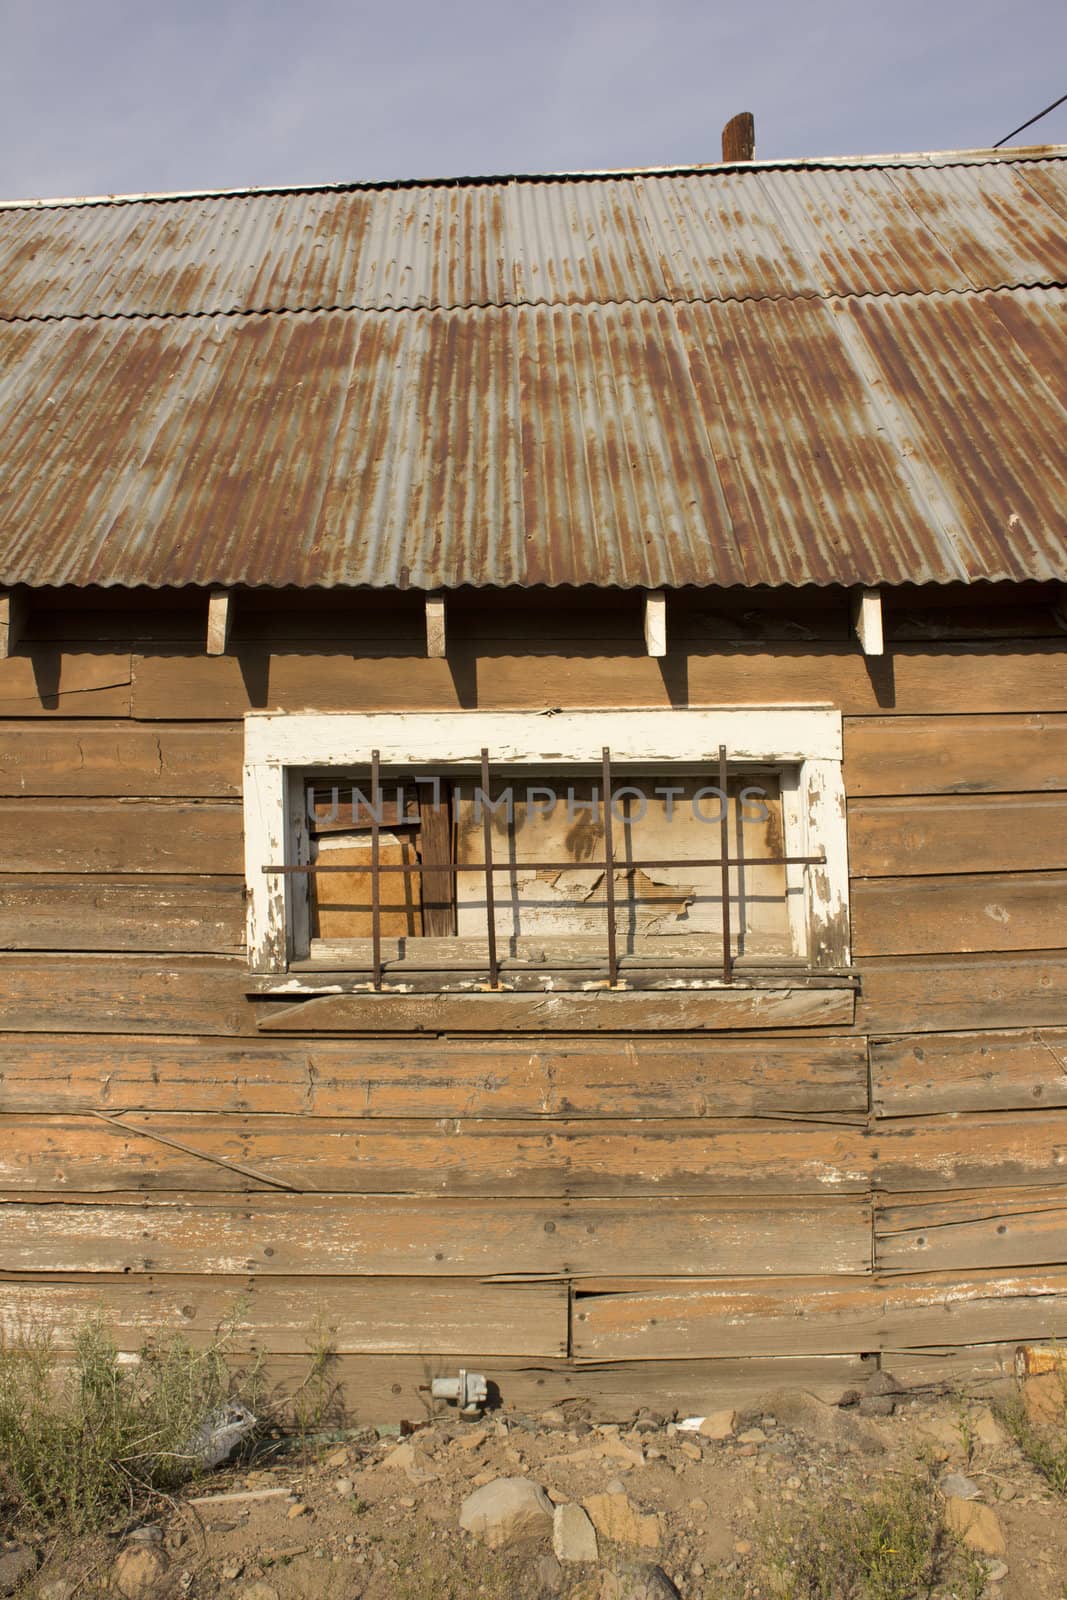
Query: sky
[[129, 96]]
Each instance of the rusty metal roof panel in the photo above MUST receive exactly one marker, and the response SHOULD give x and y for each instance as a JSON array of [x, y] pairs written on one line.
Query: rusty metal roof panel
[[870, 439], [699, 234]]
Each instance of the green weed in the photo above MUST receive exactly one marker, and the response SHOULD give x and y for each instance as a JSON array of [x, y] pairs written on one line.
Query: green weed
[[891, 1546], [87, 1438]]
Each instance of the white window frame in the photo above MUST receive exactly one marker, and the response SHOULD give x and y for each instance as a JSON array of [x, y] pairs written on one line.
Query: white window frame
[[280, 748]]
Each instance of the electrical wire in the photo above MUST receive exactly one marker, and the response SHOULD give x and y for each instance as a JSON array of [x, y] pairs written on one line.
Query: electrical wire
[[1030, 124]]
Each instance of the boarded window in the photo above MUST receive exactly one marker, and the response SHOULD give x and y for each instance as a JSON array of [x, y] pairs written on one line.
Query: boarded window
[[548, 846]]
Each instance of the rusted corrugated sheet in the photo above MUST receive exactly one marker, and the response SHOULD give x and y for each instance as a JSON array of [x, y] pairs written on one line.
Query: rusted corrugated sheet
[[708, 234], [868, 439]]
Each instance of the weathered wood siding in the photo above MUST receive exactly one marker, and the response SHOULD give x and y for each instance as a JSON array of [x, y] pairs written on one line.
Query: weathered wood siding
[[576, 1212]]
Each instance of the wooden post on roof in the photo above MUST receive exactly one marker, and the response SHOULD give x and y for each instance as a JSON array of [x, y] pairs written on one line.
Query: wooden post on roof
[[219, 619], [656, 622], [12, 617], [867, 620], [739, 138], [436, 628]]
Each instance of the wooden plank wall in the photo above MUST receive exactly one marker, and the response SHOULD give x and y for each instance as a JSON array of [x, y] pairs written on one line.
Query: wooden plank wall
[[605, 1214]]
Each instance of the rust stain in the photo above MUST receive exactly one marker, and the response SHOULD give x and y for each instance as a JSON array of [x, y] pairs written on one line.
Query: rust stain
[[800, 373]]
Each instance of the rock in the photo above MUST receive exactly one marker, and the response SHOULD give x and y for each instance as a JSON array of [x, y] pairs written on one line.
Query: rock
[[944, 1434], [299, 1510], [877, 1405], [608, 1449], [233, 1570], [15, 1567], [573, 1535], [405, 1458], [57, 1589], [259, 1591], [637, 1581], [507, 1511], [138, 1569], [743, 1547], [752, 1436], [1043, 1400], [338, 1459], [343, 1487], [828, 1424], [987, 1429], [954, 1486], [997, 1571], [648, 1422], [549, 1574], [472, 1439], [718, 1425], [977, 1525], [883, 1383], [693, 1451], [615, 1517], [151, 1533]]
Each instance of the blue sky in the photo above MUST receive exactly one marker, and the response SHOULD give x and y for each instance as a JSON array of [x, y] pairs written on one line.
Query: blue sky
[[103, 96]]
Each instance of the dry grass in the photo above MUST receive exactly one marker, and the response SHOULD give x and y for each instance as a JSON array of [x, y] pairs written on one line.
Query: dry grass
[[1043, 1444], [87, 1440], [893, 1545]]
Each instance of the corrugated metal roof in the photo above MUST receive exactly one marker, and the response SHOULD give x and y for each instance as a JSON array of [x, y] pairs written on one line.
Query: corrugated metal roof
[[716, 234], [748, 375], [865, 440]]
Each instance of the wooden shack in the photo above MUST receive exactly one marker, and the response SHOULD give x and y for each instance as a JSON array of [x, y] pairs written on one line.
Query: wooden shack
[[534, 772]]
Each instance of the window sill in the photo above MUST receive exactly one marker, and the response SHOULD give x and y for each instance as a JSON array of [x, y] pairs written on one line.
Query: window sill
[[345, 1002]]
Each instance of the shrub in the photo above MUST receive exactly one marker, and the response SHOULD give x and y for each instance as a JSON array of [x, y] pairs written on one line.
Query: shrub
[[891, 1546], [87, 1439]]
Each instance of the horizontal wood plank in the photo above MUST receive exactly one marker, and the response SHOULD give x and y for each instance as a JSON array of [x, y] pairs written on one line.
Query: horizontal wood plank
[[649, 1011], [91, 1155], [1018, 1228], [120, 836], [375, 1389], [55, 911], [820, 1316], [977, 912], [124, 994], [990, 1071], [914, 994], [438, 1237], [914, 679], [287, 1315], [964, 1366], [48, 682], [955, 754], [427, 1078], [128, 759], [957, 833], [1010, 1150]]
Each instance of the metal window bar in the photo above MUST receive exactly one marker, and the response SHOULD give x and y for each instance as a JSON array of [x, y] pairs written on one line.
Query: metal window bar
[[724, 851], [609, 871], [724, 860], [375, 874], [490, 903]]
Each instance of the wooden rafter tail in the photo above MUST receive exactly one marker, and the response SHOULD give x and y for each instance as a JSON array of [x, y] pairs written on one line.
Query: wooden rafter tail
[[219, 621], [656, 622], [12, 620], [867, 620], [436, 627]]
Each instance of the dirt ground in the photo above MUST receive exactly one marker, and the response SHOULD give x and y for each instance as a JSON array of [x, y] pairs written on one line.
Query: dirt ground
[[370, 1515]]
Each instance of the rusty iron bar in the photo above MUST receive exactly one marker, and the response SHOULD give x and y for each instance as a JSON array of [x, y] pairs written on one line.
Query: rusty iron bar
[[724, 849], [609, 872], [563, 866], [375, 879], [490, 904]]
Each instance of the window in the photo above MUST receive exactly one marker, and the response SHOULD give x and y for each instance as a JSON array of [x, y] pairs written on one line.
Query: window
[[636, 848]]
